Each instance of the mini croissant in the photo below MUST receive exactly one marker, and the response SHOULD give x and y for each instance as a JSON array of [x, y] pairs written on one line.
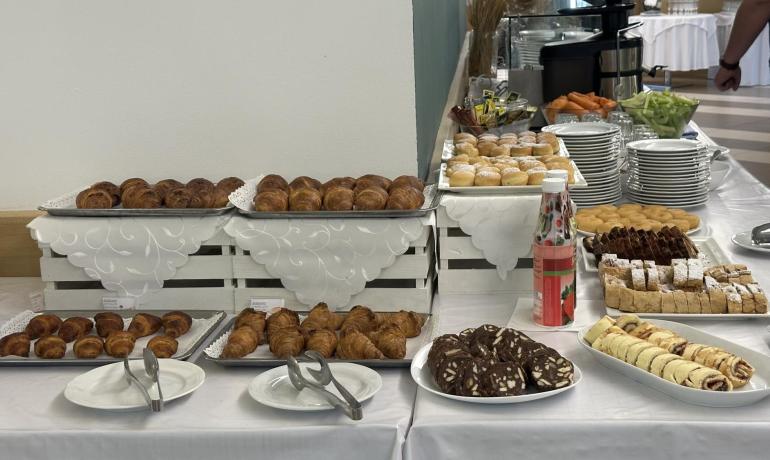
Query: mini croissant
[[16, 344], [163, 346], [361, 319], [321, 318], [42, 325], [176, 323], [107, 322], [355, 345], [390, 341], [144, 324], [240, 343], [323, 341], [50, 347], [74, 328], [256, 320], [281, 319], [88, 347], [409, 322], [289, 341], [120, 344]]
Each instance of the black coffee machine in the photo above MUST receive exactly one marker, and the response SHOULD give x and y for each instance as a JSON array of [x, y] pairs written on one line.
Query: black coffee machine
[[594, 63]]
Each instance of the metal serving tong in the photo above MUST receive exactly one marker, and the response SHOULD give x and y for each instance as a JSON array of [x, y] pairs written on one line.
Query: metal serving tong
[[152, 369], [350, 405], [760, 235]]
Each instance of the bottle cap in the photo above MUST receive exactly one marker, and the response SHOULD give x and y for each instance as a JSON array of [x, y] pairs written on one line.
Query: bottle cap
[[557, 173], [553, 185]]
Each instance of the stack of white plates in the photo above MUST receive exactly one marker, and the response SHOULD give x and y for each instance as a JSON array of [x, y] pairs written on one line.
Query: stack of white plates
[[595, 148], [670, 172]]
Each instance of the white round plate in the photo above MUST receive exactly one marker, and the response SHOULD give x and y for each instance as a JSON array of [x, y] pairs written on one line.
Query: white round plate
[[581, 129], [422, 375], [668, 156], [106, 387], [273, 387], [671, 204], [743, 240], [665, 145], [679, 194]]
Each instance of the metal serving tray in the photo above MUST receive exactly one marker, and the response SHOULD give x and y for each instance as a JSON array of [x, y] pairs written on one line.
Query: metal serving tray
[[214, 316], [263, 358]]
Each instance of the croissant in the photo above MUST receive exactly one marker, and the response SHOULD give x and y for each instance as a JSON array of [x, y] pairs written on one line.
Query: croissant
[[74, 328], [107, 322], [16, 344], [361, 319], [271, 201], [371, 199], [320, 317], [256, 320], [201, 198], [140, 197], [88, 347], [390, 341], [163, 346], [144, 324], [338, 199], [281, 319], [128, 183], [42, 325], [355, 345], [407, 181], [230, 184], [92, 198], [323, 341], [304, 182], [405, 198], [370, 180], [200, 184], [176, 323], [346, 182], [50, 347], [240, 343], [120, 344], [163, 187], [272, 182], [286, 342], [110, 188], [305, 199], [409, 322], [178, 198]]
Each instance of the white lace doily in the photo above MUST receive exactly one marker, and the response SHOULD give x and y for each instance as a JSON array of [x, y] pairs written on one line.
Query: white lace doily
[[130, 256], [501, 227], [325, 260]]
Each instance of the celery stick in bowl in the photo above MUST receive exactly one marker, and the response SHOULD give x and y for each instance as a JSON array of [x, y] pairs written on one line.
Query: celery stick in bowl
[[665, 112]]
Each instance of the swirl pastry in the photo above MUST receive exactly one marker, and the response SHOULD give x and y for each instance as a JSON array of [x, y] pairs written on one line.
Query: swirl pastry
[[405, 198], [221, 198], [140, 197], [119, 344], [42, 325], [163, 346], [320, 317], [178, 198], [338, 199], [200, 184], [304, 182], [176, 323], [361, 319], [390, 341], [88, 347], [281, 319], [50, 347], [166, 185], [305, 199], [16, 344], [92, 198], [370, 180], [289, 341], [323, 341], [256, 320], [272, 182], [107, 322], [74, 328], [407, 181], [230, 184], [128, 183], [271, 201], [355, 345], [241, 342], [144, 324], [201, 198], [346, 182], [371, 199], [110, 188]]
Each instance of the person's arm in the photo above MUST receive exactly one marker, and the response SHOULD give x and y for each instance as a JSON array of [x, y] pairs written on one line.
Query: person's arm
[[750, 20]]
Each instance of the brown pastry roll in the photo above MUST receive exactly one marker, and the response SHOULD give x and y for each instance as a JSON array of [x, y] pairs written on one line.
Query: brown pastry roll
[[355, 345], [390, 341], [178, 198], [323, 341], [144, 324], [16, 344], [119, 344], [201, 198], [371, 199], [107, 322], [92, 198], [408, 322], [110, 188], [165, 186], [128, 183], [230, 183], [407, 181], [42, 325], [272, 182], [305, 199], [346, 182], [88, 347], [361, 319], [370, 180], [320, 317], [74, 328], [271, 201], [257, 320], [50, 347], [223, 190], [220, 198], [140, 197], [176, 323], [198, 184], [241, 342], [338, 199], [289, 341], [163, 346], [281, 319], [304, 182], [405, 198]]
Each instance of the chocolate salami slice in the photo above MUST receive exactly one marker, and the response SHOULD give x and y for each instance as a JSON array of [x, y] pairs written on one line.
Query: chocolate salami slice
[[507, 379], [549, 372], [466, 334], [472, 379], [508, 343], [484, 334], [449, 373]]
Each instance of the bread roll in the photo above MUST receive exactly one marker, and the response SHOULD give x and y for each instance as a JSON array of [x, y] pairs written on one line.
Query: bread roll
[[460, 167], [508, 141], [304, 182], [487, 178], [462, 178], [542, 149], [536, 176], [521, 150], [201, 198], [371, 199], [464, 137], [485, 148], [166, 185], [488, 137], [200, 184], [347, 182], [500, 151], [126, 184], [178, 198], [370, 180], [405, 198], [140, 196], [305, 199], [526, 165], [274, 200], [514, 176], [272, 181], [466, 149], [458, 159], [338, 199], [474, 160]]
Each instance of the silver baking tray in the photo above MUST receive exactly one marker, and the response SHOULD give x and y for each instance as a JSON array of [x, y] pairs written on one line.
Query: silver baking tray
[[212, 319], [263, 358], [65, 206], [246, 208]]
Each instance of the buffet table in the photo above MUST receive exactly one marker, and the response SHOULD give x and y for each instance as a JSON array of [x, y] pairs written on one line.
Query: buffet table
[[680, 43]]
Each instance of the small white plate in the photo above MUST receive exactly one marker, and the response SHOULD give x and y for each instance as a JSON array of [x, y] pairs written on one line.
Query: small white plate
[[106, 387], [582, 129], [273, 387], [422, 375], [743, 240], [665, 145]]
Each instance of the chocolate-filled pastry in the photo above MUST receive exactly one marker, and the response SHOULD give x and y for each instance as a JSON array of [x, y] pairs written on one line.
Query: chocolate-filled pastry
[[323, 341], [409, 322], [289, 341], [178, 198], [144, 324], [107, 322], [305, 199], [119, 344], [110, 188], [240, 342], [140, 197], [390, 341], [304, 182], [271, 201], [176, 323], [42, 325], [257, 320], [346, 182], [281, 319], [163, 346], [361, 319], [405, 198], [92, 198], [199, 184], [370, 199], [370, 180], [338, 199], [201, 198], [50, 347], [166, 185], [16, 344], [272, 182], [74, 328], [407, 181], [320, 317], [128, 183], [88, 347]]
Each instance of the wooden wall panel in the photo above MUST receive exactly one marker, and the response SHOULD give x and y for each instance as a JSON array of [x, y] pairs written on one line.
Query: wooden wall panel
[[19, 254]]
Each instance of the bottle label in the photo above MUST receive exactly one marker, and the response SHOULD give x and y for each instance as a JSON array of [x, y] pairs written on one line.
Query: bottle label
[[554, 288]]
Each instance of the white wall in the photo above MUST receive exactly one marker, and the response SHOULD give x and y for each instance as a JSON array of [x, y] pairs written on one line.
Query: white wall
[[109, 89]]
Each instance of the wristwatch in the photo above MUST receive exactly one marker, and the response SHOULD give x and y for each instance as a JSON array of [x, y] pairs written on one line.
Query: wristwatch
[[728, 66]]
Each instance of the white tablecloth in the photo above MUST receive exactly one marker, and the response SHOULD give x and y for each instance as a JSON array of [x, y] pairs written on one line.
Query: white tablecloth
[[755, 64], [680, 42]]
